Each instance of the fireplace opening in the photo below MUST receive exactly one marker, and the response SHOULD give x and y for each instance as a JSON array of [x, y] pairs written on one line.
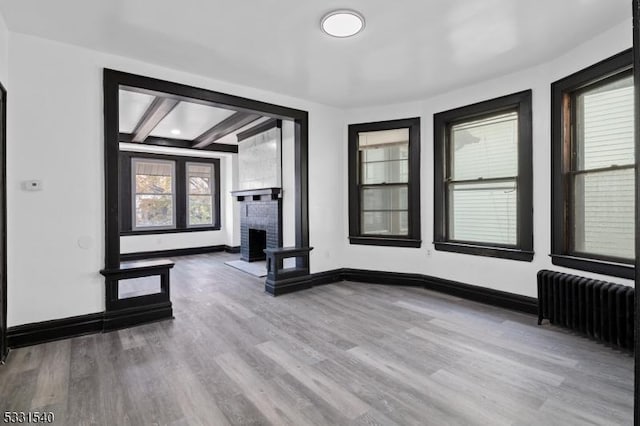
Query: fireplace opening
[[257, 244]]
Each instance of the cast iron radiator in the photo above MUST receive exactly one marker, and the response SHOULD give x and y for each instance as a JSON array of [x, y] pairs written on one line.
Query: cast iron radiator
[[601, 310]]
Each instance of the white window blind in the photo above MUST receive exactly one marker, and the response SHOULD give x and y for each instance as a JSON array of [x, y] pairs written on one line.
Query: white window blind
[[153, 184], [200, 184], [482, 184], [603, 171]]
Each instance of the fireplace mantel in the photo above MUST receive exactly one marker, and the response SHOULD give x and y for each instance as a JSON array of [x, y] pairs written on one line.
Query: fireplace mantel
[[257, 194], [260, 210]]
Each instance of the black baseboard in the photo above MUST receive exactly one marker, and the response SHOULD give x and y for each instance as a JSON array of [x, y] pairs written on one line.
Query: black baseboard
[[124, 318], [301, 283], [48, 331], [485, 295], [41, 332], [232, 249], [503, 299], [288, 286], [172, 253]]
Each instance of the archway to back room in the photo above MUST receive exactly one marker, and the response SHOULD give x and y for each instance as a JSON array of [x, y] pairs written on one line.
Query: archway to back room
[[171, 165]]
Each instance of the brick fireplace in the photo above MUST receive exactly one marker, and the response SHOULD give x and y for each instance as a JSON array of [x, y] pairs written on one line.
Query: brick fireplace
[[260, 221]]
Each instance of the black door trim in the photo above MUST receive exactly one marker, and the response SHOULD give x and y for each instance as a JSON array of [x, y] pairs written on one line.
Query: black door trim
[[4, 347], [113, 79], [636, 74]]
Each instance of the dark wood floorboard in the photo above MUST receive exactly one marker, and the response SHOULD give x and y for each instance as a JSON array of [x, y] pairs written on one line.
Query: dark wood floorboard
[[341, 354]]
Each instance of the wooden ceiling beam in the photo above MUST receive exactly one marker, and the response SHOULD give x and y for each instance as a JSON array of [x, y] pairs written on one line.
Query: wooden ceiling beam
[[157, 111], [224, 128], [180, 143]]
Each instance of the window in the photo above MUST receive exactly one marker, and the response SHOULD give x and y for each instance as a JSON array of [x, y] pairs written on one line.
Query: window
[[200, 182], [166, 194], [593, 166], [483, 178], [384, 183], [153, 193]]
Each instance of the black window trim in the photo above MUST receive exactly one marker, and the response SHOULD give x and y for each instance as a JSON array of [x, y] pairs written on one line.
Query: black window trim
[[413, 238], [174, 196], [561, 254], [521, 102], [216, 190], [180, 188]]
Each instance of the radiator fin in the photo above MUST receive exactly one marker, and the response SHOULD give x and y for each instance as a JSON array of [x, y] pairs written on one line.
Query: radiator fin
[[601, 310]]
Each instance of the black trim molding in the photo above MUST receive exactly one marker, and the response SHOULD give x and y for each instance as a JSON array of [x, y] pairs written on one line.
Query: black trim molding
[[31, 334], [251, 109], [620, 270], [356, 236], [636, 320], [485, 295], [180, 143], [259, 128], [520, 102], [129, 317], [47, 331], [561, 229], [4, 347], [180, 185], [480, 250], [174, 252], [386, 242]]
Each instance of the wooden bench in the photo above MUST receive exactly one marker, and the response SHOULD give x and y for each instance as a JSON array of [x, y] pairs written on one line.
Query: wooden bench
[[282, 280], [138, 309]]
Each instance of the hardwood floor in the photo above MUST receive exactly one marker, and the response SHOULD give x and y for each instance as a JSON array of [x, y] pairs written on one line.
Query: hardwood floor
[[343, 354]]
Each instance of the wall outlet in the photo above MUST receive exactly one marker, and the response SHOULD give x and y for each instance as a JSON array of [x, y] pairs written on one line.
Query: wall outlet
[[32, 185]]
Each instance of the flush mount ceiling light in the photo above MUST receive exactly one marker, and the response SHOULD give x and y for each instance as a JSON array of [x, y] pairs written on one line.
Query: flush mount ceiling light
[[175, 132], [342, 23]]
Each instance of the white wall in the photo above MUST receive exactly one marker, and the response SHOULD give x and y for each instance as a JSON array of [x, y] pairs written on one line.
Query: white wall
[[506, 275], [55, 133], [288, 185], [4, 53], [232, 211], [55, 127]]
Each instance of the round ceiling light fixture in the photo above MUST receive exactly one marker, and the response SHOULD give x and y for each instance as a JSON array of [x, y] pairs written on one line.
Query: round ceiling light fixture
[[175, 132], [342, 23]]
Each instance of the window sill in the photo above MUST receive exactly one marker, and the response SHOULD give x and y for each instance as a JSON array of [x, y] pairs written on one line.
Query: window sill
[[478, 250], [614, 269], [386, 241], [169, 231]]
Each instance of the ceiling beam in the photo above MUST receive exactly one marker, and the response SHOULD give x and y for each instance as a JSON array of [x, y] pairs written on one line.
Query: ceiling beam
[[157, 111], [224, 128], [180, 143], [259, 128]]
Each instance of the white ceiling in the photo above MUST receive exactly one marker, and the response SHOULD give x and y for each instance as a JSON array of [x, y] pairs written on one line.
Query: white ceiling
[[191, 120], [409, 49], [132, 107]]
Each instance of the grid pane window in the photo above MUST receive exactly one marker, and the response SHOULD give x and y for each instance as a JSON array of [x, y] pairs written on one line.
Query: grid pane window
[[602, 170], [384, 178], [384, 183], [483, 180], [200, 184], [153, 193], [482, 184]]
